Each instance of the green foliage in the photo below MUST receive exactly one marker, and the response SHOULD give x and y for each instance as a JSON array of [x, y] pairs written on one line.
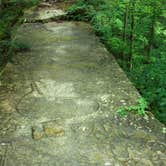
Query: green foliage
[[150, 80], [142, 55], [20, 46], [81, 11], [10, 13], [139, 109]]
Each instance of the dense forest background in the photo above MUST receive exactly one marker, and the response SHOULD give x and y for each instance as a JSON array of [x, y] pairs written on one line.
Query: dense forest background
[[134, 31]]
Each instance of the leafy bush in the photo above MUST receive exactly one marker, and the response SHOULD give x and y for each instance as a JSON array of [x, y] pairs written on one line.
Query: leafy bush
[[150, 80], [139, 109], [10, 14]]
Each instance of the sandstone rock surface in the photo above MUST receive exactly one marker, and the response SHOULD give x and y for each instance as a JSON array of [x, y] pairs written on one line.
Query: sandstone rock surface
[[58, 104]]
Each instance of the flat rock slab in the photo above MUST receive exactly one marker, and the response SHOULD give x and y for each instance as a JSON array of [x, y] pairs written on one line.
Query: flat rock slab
[[58, 104], [46, 12]]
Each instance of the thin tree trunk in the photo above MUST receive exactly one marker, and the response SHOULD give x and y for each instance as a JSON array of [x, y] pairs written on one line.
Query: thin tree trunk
[[124, 31], [152, 33], [125, 23], [131, 34]]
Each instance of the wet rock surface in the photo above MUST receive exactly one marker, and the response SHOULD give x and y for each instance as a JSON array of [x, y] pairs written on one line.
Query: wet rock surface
[[58, 104]]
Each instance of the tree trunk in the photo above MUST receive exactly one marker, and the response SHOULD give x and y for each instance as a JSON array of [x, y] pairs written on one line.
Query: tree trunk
[[125, 22], [152, 33], [131, 34]]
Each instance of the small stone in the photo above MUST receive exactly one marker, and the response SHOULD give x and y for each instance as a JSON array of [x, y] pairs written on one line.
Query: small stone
[[84, 129], [107, 164], [131, 123], [164, 130], [51, 129], [106, 115], [37, 133], [146, 117]]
